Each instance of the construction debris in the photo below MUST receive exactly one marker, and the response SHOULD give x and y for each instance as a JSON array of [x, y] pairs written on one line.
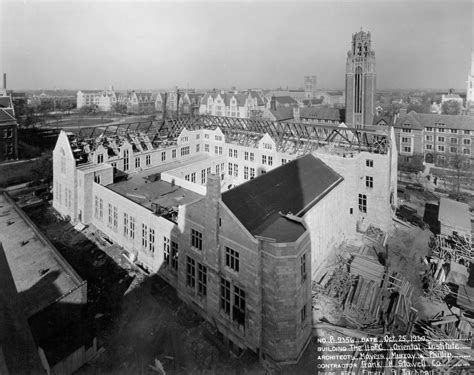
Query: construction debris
[[454, 248]]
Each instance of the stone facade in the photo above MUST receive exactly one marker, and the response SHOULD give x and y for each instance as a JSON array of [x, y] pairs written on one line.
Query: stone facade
[[256, 291], [360, 81]]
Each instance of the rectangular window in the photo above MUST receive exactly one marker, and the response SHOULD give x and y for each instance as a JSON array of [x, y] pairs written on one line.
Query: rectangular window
[[115, 218], [429, 138], [216, 150], [206, 136], [283, 161], [303, 314], [440, 148], [429, 129], [125, 224], [238, 313], [203, 176], [466, 151], [454, 131], [362, 203], [110, 214], [246, 155], [406, 149], [144, 236], [369, 163], [440, 139], [163, 155], [252, 156], [252, 173], [100, 158], [193, 177], [184, 151], [246, 173], [270, 160], [453, 150], [101, 208], [152, 241], [220, 150], [148, 160], [466, 132], [173, 154], [196, 239], [405, 140], [202, 280], [232, 259], [406, 130], [429, 147], [303, 268], [235, 153], [369, 181], [466, 141], [166, 251], [174, 255], [230, 153], [132, 227], [96, 206], [229, 169], [190, 272], [137, 162], [440, 130], [206, 147], [225, 296], [264, 159], [454, 141], [236, 170]]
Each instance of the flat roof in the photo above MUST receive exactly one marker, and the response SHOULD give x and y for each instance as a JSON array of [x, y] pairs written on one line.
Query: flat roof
[[40, 273], [454, 214], [145, 192]]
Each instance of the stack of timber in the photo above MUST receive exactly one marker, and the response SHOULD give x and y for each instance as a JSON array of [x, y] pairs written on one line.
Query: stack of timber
[[368, 268], [457, 248]]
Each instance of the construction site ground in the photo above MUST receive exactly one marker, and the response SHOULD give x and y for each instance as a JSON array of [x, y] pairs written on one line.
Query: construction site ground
[[140, 319]]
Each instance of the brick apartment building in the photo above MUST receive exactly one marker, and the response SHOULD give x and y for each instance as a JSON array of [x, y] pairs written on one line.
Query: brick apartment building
[[440, 139]]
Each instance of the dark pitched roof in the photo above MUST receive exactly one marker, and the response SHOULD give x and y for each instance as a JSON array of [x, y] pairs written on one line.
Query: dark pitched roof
[[6, 115], [422, 120], [285, 100], [292, 188], [322, 113], [5, 102], [282, 113]]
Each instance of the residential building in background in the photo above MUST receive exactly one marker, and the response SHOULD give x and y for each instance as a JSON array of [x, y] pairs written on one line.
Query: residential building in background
[[243, 105], [360, 81], [8, 125], [107, 100], [443, 140], [140, 103], [87, 98]]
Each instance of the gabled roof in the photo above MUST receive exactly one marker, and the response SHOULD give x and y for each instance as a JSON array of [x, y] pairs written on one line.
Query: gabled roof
[[422, 120], [321, 113], [285, 100], [282, 113], [6, 116], [262, 203]]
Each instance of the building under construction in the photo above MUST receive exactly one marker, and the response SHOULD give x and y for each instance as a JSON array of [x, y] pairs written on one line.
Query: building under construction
[[238, 215]]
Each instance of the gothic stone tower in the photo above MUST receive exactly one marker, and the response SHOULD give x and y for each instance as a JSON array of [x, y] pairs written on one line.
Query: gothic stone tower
[[360, 81]]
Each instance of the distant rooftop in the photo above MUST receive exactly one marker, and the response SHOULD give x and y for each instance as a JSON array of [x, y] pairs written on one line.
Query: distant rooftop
[[33, 260]]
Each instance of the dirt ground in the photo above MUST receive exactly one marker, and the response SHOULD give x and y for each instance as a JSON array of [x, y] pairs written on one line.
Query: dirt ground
[[138, 318], [407, 246]]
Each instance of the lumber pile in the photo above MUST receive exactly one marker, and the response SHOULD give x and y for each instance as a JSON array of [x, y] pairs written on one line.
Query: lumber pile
[[368, 268], [456, 248]]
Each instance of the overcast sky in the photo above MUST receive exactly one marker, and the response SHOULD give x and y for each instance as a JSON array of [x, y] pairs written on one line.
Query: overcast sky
[[151, 45]]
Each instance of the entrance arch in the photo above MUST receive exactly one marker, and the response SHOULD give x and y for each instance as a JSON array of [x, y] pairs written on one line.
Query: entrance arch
[[429, 158]]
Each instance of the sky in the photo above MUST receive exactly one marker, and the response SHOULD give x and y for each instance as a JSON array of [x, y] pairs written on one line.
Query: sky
[[196, 44]]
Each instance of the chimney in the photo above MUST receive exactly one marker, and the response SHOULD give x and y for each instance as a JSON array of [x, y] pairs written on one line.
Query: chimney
[[273, 103], [5, 81]]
